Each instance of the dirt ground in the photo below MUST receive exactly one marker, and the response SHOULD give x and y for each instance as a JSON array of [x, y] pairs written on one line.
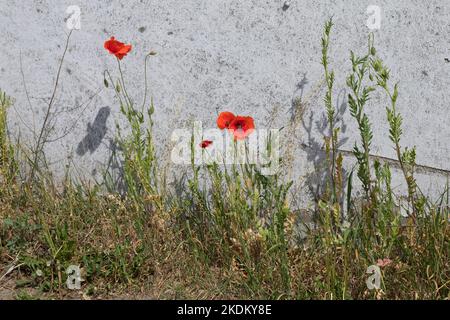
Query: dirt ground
[[7, 291]]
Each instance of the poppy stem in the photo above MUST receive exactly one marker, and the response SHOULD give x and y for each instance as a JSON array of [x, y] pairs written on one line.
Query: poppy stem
[[106, 72], [130, 103]]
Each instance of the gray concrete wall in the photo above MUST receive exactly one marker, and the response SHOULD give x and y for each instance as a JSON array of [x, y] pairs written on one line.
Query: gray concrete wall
[[249, 57]]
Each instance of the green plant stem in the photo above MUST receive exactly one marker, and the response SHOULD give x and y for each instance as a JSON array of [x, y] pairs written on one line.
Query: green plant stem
[[40, 143]]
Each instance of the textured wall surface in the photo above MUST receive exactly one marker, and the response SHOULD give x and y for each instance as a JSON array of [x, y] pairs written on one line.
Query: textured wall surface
[[249, 57]]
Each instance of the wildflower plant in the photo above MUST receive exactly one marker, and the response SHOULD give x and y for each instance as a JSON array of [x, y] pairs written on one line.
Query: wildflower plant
[[406, 157], [333, 194], [375, 227], [140, 170]]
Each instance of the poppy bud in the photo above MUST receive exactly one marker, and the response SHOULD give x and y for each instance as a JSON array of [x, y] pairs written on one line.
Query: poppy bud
[[373, 51], [151, 110]]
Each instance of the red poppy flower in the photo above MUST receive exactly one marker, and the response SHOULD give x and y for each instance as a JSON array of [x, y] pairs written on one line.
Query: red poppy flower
[[241, 127], [205, 144], [224, 119], [117, 48]]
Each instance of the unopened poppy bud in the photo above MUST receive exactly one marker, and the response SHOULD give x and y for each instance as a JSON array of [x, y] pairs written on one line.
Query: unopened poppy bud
[[151, 110], [152, 53], [373, 51]]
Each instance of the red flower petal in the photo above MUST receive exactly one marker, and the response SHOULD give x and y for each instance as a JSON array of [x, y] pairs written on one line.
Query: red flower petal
[[205, 144], [241, 127], [117, 48], [224, 119]]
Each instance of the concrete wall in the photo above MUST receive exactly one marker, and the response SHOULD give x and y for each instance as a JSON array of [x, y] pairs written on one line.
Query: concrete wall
[[249, 57]]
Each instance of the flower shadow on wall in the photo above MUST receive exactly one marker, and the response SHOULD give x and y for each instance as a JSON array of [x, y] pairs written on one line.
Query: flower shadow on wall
[[95, 133]]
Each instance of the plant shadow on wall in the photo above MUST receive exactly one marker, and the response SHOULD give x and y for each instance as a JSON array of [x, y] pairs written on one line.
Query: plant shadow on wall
[[95, 132], [315, 149], [311, 146], [228, 230], [58, 121], [297, 98]]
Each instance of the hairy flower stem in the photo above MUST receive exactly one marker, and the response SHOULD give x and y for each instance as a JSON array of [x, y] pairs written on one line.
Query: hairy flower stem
[[41, 141], [130, 103]]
